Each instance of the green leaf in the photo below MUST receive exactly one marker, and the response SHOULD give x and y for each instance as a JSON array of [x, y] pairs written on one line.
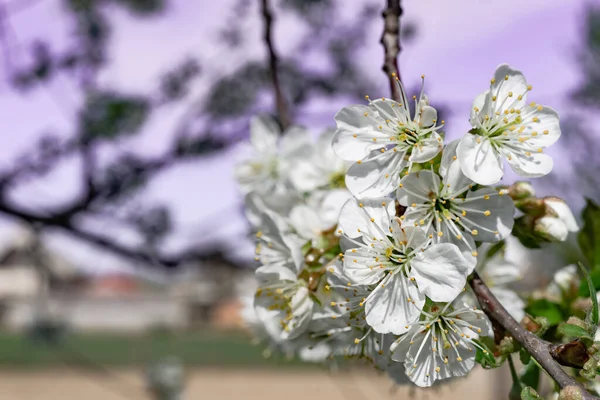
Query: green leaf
[[546, 308], [531, 375], [485, 356], [592, 316], [589, 236], [529, 393], [584, 289], [573, 331], [524, 356]]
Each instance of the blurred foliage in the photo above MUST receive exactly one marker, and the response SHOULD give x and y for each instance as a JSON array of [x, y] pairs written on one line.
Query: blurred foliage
[[215, 118], [108, 115], [589, 236], [206, 348]]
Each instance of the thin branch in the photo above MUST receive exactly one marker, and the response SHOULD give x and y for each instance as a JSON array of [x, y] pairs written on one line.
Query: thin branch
[[282, 109], [538, 348], [390, 39]]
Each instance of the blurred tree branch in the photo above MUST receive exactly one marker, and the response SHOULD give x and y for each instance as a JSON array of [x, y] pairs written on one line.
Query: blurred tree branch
[[282, 109], [390, 39]]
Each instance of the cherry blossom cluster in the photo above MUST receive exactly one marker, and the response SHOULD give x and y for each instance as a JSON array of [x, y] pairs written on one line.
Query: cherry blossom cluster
[[366, 237]]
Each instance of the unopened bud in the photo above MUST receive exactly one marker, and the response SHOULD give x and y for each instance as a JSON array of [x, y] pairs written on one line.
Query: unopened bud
[[558, 208], [521, 190], [543, 324], [589, 369], [530, 324], [531, 206], [570, 393], [550, 229], [578, 322], [507, 345]]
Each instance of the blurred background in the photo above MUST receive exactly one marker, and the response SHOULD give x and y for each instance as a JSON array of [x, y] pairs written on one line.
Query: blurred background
[[125, 256]]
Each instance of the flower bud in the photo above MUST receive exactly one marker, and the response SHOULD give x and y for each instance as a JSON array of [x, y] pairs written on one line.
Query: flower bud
[[550, 229], [521, 190], [531, 206], [589, 369], [570, 393], [577, 322], [507, 345], [558, 208]]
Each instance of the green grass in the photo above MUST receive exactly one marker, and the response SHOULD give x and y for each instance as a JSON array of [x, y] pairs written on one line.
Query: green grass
[[215, 349]]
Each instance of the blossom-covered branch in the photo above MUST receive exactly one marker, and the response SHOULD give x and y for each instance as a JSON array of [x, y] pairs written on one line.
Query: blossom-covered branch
[[538, 348], [282, 109], [390, 39]]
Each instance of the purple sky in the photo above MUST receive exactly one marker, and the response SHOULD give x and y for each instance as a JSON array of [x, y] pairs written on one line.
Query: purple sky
[[457, 48]]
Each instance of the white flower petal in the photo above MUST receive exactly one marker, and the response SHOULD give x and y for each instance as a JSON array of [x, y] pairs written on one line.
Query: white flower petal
[[377, 175], [547, 128], [478, 160], [508, 84], [492, 213], [305, 176], [306, 222], [354, 138], [367, 216], [533, 166], [264, 134], [388, 309], [511, 301], [564, 212], [361, 268], [427, 149], [428, 116], [301, 308], [448, 157], [440, 272], [417, 187]]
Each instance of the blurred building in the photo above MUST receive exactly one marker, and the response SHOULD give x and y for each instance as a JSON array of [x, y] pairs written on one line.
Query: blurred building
[[37, 283]]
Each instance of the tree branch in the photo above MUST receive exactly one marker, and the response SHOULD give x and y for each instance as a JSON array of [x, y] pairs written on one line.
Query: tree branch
[[538, 348], [216, 254], [390, 39], [282, 109]]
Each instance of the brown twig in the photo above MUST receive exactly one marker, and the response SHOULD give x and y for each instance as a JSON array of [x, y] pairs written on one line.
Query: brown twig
[[390, 39], [538, 348], [282, 109]]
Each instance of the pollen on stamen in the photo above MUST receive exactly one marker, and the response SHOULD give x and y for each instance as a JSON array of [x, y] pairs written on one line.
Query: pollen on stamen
[[492, 81], [474, 232], [487, 213], [474, 254], [529, 87]]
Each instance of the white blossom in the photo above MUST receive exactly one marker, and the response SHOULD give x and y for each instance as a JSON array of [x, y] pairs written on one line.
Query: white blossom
[[322, 169], [498, 273], [505, 126], [318, 215], [449, 211], [265, 177], [282, 300], [398, 263], [441, 345], [558, 220], [382, 139]]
